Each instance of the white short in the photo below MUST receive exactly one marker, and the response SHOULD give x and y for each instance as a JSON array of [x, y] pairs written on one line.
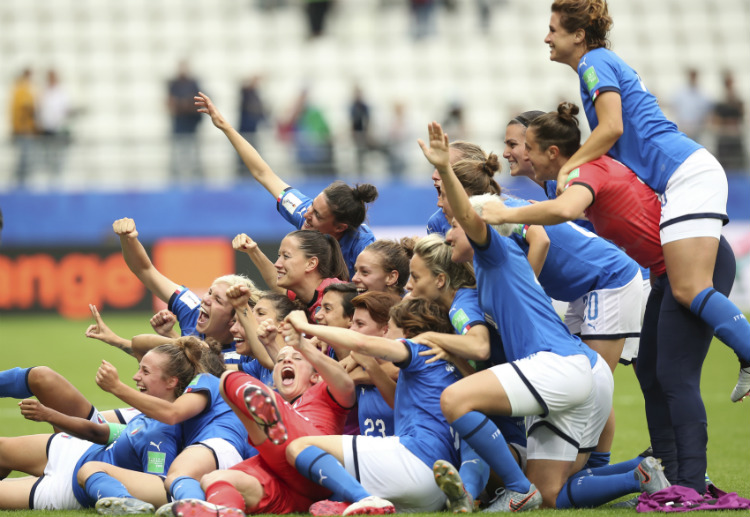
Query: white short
[[54, 490], [632, 344], [694, 203], [553, 438], [225, 454], [608, 313], [126, 414], [387, 469]]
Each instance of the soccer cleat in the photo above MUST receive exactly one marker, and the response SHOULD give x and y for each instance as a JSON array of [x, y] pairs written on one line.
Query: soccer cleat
[[627, 503], [262, 408], [122, 506], [449, 481], [370, 505], [742, 388], [165, 510], [199, 508], [328, 507], [651, 476], [512, 501]]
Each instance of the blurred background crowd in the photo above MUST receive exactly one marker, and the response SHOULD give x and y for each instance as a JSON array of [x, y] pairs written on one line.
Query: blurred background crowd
[[99, 95]]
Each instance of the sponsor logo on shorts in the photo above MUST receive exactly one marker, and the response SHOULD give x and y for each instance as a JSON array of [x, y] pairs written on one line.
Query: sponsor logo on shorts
[[156, 462]]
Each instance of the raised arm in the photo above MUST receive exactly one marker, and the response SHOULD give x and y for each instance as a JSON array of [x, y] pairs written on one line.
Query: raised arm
[[608, 108], [139, 263], [380, 347], [99, 330], [186, 406], [340, 384], [267, 270], [252, 160], [569, 206], [438, 154]]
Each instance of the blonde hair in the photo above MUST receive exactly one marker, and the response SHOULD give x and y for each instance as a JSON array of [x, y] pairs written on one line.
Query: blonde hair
[[436, 255], [235, 279]]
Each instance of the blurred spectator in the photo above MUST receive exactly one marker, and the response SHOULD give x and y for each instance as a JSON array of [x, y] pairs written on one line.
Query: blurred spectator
[[185, 154], [308, 129], [53, 119], [454, 124], [317, 12], [423, 18], [359, 115], [485, 13], [252, 115], [728, 121], [400, 141], [691, 108], [23, 124]]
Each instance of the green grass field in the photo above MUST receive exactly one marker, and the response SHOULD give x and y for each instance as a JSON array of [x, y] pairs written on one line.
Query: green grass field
[[58, 343]]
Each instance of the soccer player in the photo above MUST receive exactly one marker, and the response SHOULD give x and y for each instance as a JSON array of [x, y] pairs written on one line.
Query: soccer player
[[338, 211], [626, 211], [627, 123], [384, 266]]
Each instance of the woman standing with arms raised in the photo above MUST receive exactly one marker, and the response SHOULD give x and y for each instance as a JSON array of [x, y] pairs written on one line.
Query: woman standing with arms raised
[[627, 123]]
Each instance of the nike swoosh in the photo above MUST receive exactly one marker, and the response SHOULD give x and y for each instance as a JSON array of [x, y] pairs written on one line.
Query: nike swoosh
[[516, 506]]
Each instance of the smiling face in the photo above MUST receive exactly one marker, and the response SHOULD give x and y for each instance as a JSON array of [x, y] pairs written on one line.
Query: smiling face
[[461, 250], [369, 274], [264, 310], [363, 323], [515, 151], [331, 311], [422, 282], [564, 47], [292, 374], [216, 312], [291, 264], [319, 217], [150, 377], [542, 164]]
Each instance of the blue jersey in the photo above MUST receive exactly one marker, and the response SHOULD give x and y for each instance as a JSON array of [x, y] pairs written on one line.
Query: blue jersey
[[515, 304], [651, 145], [293, 204], [252, 366], [577, 261], [438, 223], [145, 445], [217, 420], [373, 412], [185, 305], [419, 421], [465, 313], [550, 189]]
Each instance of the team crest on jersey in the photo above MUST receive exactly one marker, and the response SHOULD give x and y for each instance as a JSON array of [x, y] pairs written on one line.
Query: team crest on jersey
[[191, 300], [291, 202]]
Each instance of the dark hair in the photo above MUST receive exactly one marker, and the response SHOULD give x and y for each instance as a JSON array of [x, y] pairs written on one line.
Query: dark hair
[[183, 360], [468, 150], [347, 291], [558, 128], [326, 249], [590, 15], [394, 256], [378, 304], [212, 360], [347, 204], [476, 176], [417, 315], [281, 304], [525, 118]]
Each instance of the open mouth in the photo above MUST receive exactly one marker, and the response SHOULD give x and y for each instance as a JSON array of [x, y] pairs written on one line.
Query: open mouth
[[287, 376], [141, 388], [202, 316]]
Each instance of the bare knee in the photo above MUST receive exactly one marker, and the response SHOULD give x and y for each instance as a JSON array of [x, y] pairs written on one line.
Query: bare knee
[[41, 377], [296, 447], [453, 404]]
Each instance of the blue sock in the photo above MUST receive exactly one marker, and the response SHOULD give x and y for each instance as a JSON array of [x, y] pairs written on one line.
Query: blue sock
[[487, 440], [100, 485], [185, 487], [592, 491], [474, 471], [614, 468], [728, 322], [322, 468], [14, 383], [598, 459]]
